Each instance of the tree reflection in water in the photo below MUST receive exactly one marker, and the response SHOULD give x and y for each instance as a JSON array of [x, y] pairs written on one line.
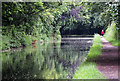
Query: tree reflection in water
[[46, 61]]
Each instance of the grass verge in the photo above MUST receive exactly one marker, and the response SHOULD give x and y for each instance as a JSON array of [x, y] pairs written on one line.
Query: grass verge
[[114, 42], [88, 69], [96, 48]]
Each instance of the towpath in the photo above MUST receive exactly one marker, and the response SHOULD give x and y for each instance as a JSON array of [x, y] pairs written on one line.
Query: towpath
[[108, 60]]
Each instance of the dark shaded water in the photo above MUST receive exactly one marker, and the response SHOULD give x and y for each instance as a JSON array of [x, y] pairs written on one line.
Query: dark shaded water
[[45, 61]]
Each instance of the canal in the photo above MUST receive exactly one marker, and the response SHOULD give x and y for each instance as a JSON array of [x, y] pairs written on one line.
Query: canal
[[46, 60]]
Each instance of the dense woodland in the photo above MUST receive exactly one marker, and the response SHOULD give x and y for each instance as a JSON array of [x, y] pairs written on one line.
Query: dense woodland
[[25, 22]]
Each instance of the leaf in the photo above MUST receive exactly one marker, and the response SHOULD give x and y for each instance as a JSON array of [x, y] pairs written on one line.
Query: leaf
[[10, 19]]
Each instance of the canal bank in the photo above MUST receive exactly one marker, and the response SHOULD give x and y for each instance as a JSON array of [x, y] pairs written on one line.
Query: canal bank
[[101, 63], [88, 69]]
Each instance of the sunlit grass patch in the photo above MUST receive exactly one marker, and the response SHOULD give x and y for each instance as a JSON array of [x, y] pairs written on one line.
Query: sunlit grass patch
[[116, 43], [96, 48], [94, 52], [88, 70], [113, 41]]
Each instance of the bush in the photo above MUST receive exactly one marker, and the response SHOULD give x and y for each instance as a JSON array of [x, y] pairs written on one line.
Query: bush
[[111, 32], [14, 42], [58, 37], [44, 37], [0, 39], [111, 35], [34, 38], [5, 42], [27, 40]]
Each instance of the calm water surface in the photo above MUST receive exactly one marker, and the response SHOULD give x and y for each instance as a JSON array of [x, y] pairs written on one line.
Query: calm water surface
[[46, 61]]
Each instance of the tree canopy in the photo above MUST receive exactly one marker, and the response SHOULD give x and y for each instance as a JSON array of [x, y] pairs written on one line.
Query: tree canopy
[[23, 22]]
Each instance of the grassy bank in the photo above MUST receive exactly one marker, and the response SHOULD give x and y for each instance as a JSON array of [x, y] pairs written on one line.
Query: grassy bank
[[95, 49], [112, 34], [88, 70]]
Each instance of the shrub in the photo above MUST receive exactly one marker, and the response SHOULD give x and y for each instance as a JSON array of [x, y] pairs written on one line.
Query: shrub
[[14, 42], [111, 34], [27, 40], [5, 42], [44, 37]]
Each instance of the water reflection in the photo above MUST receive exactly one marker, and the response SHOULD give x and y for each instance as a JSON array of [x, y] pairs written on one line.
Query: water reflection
[[45, 61]]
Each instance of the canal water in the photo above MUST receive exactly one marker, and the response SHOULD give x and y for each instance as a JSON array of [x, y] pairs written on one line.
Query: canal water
[[46, 60]]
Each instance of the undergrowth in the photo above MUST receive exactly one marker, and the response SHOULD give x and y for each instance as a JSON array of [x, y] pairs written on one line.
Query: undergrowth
[[112, 35]]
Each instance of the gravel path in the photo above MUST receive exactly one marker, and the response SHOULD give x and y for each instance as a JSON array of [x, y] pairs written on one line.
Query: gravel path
[[108, 60]]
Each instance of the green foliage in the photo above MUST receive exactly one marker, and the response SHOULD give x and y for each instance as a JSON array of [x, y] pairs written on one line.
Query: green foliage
[[27, 40], [88, 70], [96, 48], [112, 34], [8, 42], [93, 17], [14, 43], [111, 31], [58, 37], [28, 21], [43, 19], [5, 42], [0, 38], [89, 18]]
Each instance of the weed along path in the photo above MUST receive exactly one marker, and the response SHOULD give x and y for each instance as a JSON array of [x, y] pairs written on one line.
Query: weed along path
[[108, 60]]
